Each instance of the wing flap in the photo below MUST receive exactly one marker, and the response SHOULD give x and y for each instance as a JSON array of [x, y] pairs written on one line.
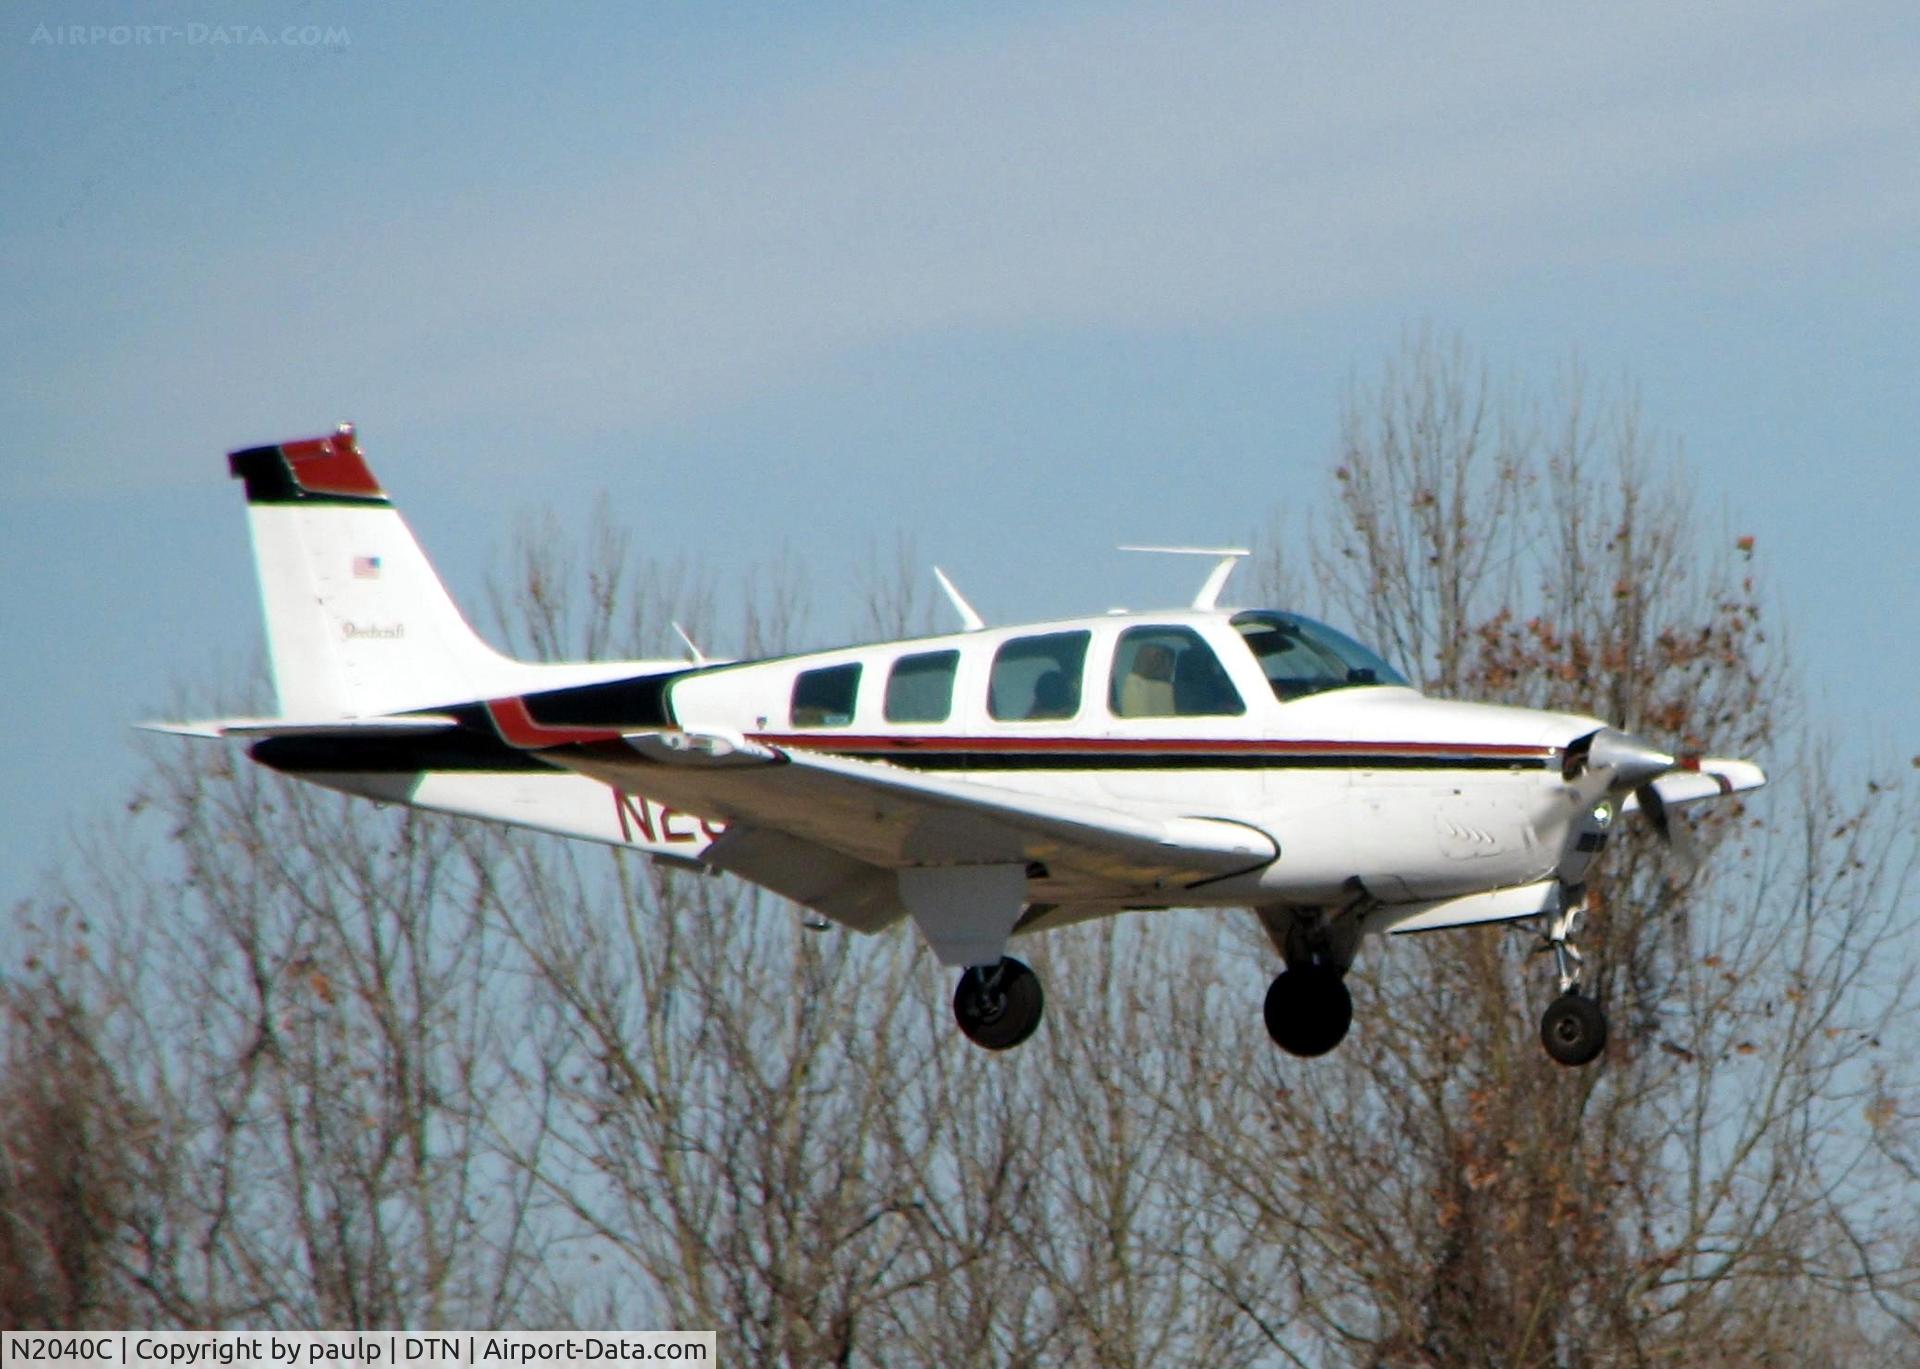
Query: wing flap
[[851, 892]]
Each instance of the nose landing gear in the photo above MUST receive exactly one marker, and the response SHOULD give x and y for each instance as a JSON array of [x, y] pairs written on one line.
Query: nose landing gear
[[1573, 1029]]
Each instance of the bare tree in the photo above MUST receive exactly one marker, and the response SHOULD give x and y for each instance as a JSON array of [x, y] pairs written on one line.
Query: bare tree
[[309, 1026], [67, 1169], [897, 604], [592, 597], [1431, 492], [748, 1121], [1463, 1199]]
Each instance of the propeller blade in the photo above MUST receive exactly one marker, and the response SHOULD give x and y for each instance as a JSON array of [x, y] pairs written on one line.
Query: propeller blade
[[1673, 830]]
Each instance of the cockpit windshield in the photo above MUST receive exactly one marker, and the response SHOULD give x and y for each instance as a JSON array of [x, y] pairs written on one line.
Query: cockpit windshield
[[1300, 657]]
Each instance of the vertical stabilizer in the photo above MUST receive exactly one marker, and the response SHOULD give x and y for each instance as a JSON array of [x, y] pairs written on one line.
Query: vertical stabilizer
[[358, 623]]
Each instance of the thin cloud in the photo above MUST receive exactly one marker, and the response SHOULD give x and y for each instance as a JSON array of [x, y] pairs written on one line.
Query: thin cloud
[[1150, 170]]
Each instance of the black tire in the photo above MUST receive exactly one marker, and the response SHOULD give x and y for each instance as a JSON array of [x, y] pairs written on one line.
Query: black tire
[[1573, 1029], [998, 1006], [1308, 1010]]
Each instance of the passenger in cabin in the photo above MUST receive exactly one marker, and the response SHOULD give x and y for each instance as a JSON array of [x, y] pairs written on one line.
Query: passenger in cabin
[[1169, 672], [1037, 679], [1051, 696]]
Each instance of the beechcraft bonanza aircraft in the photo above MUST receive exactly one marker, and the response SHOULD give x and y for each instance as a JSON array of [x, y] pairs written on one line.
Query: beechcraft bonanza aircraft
[[986, 785]]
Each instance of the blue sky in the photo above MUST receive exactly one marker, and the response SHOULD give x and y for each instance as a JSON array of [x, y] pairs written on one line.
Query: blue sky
[[1020, 285]]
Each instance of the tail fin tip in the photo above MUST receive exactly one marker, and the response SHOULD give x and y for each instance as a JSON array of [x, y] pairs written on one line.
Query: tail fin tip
[[326, 469]]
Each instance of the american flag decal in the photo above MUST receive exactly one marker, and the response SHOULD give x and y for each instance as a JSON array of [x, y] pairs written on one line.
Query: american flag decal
[[366, 567]]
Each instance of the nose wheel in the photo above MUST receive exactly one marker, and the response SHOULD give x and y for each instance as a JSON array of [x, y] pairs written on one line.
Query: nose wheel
[[1573, 1029], [998, 1006]]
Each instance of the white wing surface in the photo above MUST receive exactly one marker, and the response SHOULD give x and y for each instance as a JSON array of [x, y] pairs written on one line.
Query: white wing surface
[[787, 809]]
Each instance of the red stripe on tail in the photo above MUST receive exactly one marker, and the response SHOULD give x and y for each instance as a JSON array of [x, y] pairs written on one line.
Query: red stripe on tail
[[332, 465]]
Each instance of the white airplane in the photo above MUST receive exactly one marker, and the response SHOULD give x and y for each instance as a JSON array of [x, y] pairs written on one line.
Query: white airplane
[[989, 784]]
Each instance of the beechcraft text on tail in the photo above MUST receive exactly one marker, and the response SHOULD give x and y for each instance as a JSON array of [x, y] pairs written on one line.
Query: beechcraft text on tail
[[987, 785]]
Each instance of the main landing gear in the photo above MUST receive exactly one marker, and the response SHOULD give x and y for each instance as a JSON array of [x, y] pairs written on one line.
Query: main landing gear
[[1309, 1009], [1573, 1029], [998, 1006]]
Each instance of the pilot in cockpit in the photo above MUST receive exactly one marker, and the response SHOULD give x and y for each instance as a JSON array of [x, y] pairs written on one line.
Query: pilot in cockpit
[[1147, 691]]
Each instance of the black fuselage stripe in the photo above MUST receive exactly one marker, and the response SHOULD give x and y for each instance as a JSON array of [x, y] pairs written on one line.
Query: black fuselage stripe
[[468, 752], [475, 748], [1163, 760]]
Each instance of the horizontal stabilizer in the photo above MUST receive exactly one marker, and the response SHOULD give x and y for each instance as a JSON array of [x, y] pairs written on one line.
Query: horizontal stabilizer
[[412, 724]]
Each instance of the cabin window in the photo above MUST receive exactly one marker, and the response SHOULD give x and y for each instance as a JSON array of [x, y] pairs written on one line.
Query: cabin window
[[920, 687], [1168, 672], [1038, 678], [824, 698]]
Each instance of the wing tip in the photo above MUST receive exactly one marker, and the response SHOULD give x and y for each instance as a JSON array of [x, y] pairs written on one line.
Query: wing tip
[[173, 729]]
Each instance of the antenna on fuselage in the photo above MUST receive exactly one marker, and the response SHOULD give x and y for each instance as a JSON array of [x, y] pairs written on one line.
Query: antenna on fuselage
[[699, 658], [1229, 557], [969, 619]]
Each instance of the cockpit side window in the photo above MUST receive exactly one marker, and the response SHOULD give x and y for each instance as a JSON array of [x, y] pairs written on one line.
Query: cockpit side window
[[825, 697], [1168, 672], [1300, 657], [1038, 678]]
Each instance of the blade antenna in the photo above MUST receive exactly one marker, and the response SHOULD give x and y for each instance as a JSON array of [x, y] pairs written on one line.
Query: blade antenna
[[699, 658], [1209, 595], [969, 618]]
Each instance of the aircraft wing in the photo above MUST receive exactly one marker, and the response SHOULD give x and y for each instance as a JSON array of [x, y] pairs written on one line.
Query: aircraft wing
[[852, 892], [884, 819]]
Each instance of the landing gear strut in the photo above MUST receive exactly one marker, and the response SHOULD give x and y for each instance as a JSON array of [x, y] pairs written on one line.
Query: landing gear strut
[[998, 1006], [1573, 1029]]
